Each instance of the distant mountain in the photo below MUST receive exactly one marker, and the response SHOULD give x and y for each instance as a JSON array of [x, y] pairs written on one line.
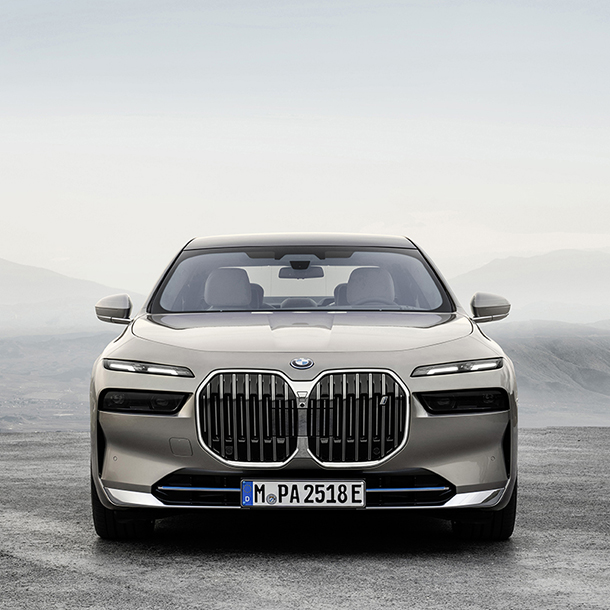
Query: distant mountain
[[563, 370], [565, 285], [39, 301]]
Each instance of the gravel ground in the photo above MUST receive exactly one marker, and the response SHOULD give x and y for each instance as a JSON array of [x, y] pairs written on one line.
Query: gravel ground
[[559, 556]]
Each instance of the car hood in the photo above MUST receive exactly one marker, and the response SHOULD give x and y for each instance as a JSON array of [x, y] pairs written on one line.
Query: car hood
[[302, 331]]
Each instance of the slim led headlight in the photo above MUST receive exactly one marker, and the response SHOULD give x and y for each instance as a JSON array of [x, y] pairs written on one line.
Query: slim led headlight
[[466, 366], [148, 368]]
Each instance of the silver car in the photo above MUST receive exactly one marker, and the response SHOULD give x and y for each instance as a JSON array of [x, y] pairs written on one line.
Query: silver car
[[303, 371]]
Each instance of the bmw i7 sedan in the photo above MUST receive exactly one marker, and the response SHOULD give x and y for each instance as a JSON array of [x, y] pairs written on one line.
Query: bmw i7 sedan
[[299, 372]]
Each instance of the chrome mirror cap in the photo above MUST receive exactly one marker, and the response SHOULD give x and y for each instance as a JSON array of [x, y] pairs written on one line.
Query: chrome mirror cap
[[115, 308], [489, 307]]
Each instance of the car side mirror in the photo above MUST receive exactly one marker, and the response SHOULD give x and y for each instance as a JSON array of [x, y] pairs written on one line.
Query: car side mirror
[[489, 307], [115, 308]]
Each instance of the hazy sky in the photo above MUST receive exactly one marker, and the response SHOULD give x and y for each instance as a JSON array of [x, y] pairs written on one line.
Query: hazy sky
[[479, 128]]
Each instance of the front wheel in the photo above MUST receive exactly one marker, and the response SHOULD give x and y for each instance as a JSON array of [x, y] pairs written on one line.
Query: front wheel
[[497, 525], [117, 524]]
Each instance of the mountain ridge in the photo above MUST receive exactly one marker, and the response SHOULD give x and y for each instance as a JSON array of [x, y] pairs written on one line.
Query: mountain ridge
[[37, 301], [565, 285]]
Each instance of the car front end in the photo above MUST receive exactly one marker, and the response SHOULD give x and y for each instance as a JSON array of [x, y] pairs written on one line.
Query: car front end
[[298, 400]]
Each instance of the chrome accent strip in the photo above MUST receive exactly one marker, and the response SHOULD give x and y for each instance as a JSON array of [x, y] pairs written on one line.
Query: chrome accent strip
[[489, 497], [122, 497], [406, 489], [475, 499], [170, 488], [304, 386]]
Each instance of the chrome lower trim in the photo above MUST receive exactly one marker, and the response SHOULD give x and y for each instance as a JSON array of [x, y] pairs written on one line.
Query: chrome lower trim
[[489, 497], [473, 499], [122, 497], [405, 489], [173, 488]]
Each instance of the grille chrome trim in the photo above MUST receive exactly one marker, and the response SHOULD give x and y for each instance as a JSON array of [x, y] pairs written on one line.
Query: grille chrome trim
[[257, 422], [363, 420], [303, 390]]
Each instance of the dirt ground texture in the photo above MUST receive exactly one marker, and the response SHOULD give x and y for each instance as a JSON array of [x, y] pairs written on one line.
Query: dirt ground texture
[[559, 556]]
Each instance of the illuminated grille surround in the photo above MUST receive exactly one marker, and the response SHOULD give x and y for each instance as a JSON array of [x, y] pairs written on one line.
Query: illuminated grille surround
[[303, 396]]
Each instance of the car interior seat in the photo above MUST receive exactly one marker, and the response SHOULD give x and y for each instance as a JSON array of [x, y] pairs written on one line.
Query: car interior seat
[[228, 288], [370, 285]]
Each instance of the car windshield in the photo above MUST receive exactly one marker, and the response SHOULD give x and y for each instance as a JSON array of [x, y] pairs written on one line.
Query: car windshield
[[267, 279]]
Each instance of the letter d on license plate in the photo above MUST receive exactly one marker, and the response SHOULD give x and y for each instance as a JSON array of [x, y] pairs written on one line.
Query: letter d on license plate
[[303, 494]]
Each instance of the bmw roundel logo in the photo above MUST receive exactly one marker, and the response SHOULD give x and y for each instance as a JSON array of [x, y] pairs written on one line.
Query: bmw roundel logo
[[301, 363]]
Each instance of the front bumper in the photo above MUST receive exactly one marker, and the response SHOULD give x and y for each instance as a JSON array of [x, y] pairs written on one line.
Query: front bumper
[[489, 498], [475, 453]]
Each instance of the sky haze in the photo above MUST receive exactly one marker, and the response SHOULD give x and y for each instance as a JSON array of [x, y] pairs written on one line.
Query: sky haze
[[478, 128]]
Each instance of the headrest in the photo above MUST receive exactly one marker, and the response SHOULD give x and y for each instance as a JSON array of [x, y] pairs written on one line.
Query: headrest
[[227, 287], [258, 294], [340, 294], [369, 284]]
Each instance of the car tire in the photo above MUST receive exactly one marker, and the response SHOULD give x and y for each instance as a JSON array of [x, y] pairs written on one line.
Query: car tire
[[117, 525], [495, 526]]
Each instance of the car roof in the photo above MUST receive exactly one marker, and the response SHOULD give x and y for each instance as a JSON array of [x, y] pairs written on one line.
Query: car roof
[[300, 239]]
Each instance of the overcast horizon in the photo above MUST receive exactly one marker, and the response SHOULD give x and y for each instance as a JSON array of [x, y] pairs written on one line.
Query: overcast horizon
[[480, 129]]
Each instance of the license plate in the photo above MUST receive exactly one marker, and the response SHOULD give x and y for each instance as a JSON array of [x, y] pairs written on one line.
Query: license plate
[[302, 494]]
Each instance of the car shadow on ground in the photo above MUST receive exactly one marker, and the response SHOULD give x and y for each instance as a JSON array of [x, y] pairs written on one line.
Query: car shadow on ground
[[306, 533]]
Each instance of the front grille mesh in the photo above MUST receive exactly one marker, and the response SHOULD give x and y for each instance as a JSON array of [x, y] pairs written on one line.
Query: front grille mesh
[[249, 417], [356, 417]]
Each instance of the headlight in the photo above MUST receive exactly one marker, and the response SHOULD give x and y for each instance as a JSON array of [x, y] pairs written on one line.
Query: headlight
[[466, 366], [136, 401], [464, 401], [130, 366]]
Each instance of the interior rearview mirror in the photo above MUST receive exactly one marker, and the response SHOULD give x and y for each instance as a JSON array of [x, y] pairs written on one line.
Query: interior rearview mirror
[[115, 308], [301, 274], [489, 307]]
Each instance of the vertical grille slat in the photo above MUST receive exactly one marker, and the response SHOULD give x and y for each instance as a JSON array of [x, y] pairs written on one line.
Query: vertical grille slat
[[356, 417], [397, 414], [249, 432], [220, 401], [261, 418], [249, 417], [236, 425], [344, 418], [331, 418], [316, 414], [371, 407], [383, 409], [273, 418]]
